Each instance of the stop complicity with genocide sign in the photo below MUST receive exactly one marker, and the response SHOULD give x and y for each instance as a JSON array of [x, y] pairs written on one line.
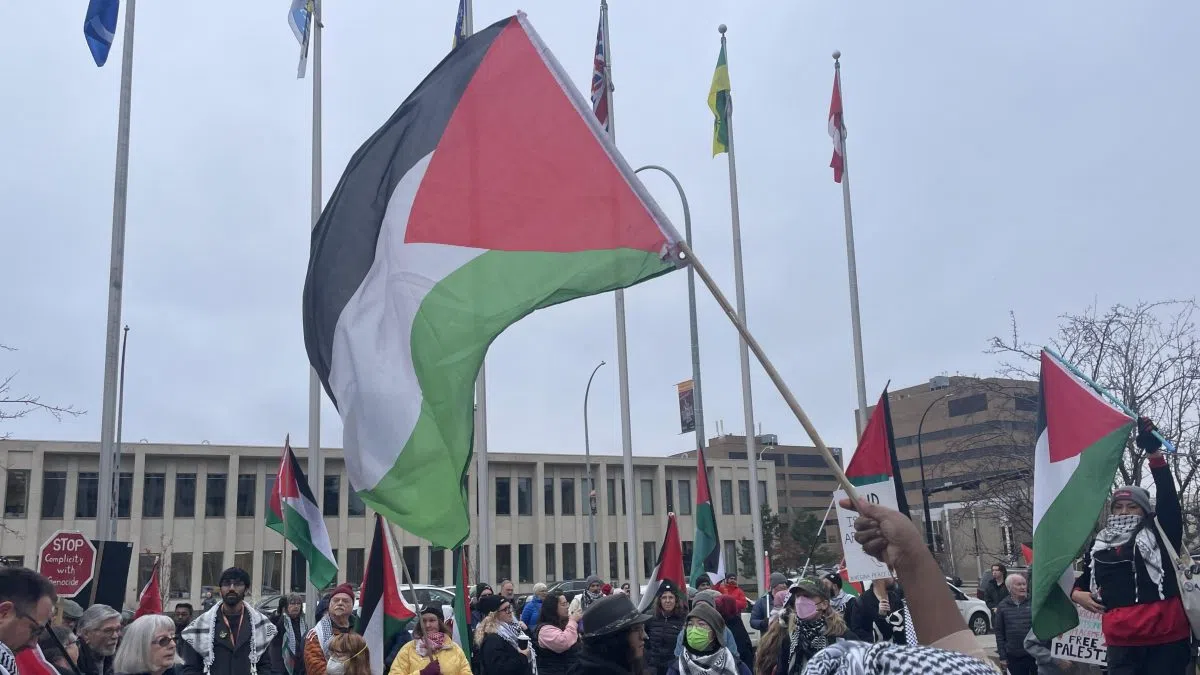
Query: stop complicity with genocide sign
[[1083, 643]]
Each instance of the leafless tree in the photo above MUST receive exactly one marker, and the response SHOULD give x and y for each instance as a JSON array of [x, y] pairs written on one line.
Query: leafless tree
[[163, 552], [15, 406], [1148, 356]]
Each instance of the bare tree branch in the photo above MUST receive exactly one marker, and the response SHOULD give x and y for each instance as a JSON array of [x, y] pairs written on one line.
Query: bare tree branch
[[15, 406]]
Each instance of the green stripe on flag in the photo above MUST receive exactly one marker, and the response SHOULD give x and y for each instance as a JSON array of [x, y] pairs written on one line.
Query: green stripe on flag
[[719, 99], [321, 570], [706, 543]]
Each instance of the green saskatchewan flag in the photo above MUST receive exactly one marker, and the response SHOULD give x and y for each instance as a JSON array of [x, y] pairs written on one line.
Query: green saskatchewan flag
[[719, 101]]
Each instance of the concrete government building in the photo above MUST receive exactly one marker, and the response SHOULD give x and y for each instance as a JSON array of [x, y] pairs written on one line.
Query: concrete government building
[[201, 508]]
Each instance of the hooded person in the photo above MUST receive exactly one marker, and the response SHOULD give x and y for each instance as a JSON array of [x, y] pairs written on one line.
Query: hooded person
[[337, 620], [594, 591], [709, 597], [1127, 574], [615, 641], [760, 614], [230, 638], [705, 651]]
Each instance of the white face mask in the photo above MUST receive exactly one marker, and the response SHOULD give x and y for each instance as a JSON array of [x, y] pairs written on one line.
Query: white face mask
[[335, 667]]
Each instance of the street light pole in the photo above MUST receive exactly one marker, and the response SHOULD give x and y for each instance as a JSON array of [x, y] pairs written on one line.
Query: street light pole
[[587, 453], [921, 462]]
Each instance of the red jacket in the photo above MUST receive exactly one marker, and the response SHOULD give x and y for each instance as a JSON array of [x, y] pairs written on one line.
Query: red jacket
[[734, 591]]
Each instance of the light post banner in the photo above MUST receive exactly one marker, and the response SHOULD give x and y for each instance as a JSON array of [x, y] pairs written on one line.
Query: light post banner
[[859, 565], [687, 407], [1083, 643]]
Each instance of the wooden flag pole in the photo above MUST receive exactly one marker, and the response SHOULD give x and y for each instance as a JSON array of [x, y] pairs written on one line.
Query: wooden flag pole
[[772, 373]]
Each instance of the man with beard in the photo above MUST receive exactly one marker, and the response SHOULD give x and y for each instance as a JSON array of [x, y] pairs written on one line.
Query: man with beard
[[231, 638], [586, 598], [26, 605], [335, 622], [183, 616], [99, 631]]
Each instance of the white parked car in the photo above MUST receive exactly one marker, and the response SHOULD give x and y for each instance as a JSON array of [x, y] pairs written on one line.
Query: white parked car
[[974, 611]]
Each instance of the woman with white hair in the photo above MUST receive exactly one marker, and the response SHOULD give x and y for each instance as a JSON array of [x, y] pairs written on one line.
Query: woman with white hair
[[533, 607], [148, 647]]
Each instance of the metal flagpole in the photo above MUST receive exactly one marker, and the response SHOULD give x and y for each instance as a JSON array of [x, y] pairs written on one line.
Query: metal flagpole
[[106, 525], [804, 570], [743, 350], [316, 465], [622, 353], [483, 493], [855, 321], [120, 420]]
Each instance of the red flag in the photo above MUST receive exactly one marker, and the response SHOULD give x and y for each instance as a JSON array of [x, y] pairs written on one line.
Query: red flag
[[150, 602], [767, 571], [875, 458], [33, 662], [837, 129], [669, 567], [1027, 553]]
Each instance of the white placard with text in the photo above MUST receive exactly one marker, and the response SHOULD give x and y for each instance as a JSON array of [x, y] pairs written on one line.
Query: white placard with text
[[859, 565]]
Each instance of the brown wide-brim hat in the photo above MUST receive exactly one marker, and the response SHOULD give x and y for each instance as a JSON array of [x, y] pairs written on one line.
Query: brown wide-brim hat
[[612, 614]]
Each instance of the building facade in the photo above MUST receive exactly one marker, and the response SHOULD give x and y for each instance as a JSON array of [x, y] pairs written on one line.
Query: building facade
[[201, 509]]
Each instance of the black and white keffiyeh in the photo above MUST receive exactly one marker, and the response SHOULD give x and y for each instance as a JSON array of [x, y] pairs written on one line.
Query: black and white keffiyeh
[[201, 634], [292, 648], [810, 634], [8, 662], [720, 662], [511, 632], [840, 601], [885, 658], [1118, 532]]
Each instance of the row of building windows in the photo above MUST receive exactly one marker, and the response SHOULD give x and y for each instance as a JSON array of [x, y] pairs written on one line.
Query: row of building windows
[[646, 501], [989, 427], [793, 459], [54, 494]]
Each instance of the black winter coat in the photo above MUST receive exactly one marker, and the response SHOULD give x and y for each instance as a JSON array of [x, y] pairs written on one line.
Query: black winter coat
[[550, 662], [91, 663], [867, 618], [1012, 623], [745, 648], [662, 632], [497, 657]]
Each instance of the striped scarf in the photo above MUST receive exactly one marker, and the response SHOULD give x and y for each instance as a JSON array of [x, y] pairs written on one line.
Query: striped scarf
[[292, 649]]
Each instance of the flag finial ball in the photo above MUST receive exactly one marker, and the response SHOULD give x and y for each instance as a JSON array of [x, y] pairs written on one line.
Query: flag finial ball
[[722, 28], [836, 55]]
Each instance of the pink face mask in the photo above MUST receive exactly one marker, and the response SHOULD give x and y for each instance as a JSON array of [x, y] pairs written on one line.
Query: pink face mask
[[805, 608], [781, 598]]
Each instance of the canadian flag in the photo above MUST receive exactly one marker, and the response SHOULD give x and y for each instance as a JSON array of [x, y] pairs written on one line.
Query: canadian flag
[[837, 129], [150, 602]]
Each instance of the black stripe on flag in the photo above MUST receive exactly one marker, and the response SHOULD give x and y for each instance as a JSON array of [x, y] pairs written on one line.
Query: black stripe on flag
[[344, 239]]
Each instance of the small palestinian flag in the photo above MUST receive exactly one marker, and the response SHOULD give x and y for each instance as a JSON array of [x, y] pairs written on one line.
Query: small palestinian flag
[[1081, 438], [854, 588], [383, 613], [149, 600], [669, 567], [293, 512], [874, 459], [492, 191], [707, 554]]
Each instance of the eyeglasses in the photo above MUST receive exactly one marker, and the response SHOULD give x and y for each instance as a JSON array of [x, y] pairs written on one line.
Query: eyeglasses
[[109, 632], [164, 641], [36, 629], [506, 609]]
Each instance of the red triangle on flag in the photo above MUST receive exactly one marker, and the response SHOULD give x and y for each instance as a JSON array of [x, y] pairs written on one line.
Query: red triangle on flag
[[1076, 416], [518, 143], [872, 462]]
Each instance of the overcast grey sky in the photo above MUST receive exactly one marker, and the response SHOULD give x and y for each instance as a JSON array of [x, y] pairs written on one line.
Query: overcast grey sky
[[1027, 156]]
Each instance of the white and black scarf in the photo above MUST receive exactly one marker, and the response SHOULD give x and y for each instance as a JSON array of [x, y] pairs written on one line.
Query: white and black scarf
[[720, 662], [8, 662], [292, 648], [510, 632], [589, 597], [201, 635], [840, 601], [884, 658], [1119, 531], [810, 634], [324, 632]]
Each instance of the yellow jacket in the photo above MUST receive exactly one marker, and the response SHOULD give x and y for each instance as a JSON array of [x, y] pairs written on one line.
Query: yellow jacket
[[450, 657]]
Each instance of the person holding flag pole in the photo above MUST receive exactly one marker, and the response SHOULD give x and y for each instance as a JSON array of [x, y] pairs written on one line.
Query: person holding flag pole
[[720, 101]]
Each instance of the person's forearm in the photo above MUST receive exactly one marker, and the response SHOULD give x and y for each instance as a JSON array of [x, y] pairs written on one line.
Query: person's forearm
[[934, 614]]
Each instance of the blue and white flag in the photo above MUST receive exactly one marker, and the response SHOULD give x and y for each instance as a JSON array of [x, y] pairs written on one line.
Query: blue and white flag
[[300, 19], [100, 27], [460, 25]]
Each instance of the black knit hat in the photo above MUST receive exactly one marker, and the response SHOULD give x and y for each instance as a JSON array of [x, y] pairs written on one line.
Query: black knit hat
[[235, 574], [489, 603], [434, 608], [611, 614]]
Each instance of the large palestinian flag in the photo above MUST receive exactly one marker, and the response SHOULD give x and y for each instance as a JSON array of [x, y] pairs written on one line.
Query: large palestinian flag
[[383, 613], [491, 192], [293, 512], [708, 556], [874, 459], [1081, 438], [668, 568]]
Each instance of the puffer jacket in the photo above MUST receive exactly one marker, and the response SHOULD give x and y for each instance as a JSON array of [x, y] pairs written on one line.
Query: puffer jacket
[[1012, 623], [661, 634]]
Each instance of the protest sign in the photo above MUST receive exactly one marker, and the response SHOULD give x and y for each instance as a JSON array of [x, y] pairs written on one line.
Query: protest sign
[[1083, 643], [859, 565]]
